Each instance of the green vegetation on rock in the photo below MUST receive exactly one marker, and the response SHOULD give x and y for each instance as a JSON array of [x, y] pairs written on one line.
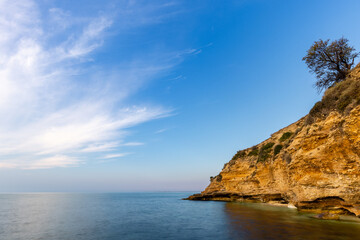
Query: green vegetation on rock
[[277, 149], [342, 97], [268, 146], [239, 154], [285, 136], [254, 152], [264, 152]]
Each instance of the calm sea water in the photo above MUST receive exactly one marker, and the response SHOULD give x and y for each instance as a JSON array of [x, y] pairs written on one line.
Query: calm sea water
[[155, 216]]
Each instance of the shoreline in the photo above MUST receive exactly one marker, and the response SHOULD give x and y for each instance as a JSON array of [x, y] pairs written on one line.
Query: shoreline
[[323, 208]]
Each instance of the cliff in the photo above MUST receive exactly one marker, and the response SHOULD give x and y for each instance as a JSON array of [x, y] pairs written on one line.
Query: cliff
[[313, 164]]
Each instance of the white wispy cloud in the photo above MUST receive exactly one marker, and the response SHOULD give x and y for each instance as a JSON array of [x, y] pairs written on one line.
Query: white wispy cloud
[[51, 162], [49, 118], [132, 144], [101, 147], [117, 155], [161, 130]]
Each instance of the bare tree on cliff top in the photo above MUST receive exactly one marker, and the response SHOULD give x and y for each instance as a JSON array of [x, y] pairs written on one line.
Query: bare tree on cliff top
[[330, 62]]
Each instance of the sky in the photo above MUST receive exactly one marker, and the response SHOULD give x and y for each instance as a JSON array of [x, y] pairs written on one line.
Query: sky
[[122, 96]]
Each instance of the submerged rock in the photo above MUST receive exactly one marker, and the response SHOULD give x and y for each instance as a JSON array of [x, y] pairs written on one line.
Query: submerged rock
[[327, 216]]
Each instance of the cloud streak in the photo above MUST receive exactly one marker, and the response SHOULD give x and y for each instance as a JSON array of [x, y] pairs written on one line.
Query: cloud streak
[[56, 109]]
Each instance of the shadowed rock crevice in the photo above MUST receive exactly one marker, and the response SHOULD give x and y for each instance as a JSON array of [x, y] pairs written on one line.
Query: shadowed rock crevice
[[231, 197]]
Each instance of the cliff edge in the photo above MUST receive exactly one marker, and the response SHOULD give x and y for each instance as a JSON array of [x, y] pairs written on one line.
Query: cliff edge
[[313, 164]]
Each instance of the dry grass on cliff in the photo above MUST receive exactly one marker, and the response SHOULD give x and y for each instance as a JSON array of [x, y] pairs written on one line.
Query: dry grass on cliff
[[342, 97]]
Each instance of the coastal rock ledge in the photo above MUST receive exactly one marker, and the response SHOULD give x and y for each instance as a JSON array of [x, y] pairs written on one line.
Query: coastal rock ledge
[[312, 164]]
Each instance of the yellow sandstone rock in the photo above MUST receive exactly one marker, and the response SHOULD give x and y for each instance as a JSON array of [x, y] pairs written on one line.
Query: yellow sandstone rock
[[313, 165]]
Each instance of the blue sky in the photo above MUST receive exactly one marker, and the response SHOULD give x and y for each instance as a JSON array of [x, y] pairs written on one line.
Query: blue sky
[[151, 95]]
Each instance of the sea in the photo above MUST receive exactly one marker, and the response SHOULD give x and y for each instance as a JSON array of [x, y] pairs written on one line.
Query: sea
[[158, 215]]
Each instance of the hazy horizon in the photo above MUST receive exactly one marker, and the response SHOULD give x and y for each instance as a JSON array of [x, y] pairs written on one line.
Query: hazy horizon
[[132, 96]]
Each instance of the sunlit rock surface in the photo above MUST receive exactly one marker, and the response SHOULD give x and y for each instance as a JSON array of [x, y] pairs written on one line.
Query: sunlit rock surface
[[313, 165]]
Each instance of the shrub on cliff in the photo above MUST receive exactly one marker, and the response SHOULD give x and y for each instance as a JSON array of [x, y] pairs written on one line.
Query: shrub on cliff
[[254, 152], [239, 154], [342, 97], [277, 149], [331, 62], [285, 136], [264, 152], [268, 146]]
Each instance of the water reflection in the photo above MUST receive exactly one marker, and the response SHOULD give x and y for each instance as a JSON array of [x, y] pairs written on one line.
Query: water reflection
[[260, 221], [37, 216], [132, 216], [125, 216]]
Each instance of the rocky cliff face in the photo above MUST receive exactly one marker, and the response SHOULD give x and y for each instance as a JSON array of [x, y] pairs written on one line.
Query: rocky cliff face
[[313, 164]]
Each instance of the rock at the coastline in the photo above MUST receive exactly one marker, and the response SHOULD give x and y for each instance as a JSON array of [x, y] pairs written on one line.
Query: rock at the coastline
[[313, 164]]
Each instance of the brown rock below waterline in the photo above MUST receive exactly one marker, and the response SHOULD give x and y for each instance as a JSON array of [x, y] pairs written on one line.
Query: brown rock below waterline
[[327, 216]]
